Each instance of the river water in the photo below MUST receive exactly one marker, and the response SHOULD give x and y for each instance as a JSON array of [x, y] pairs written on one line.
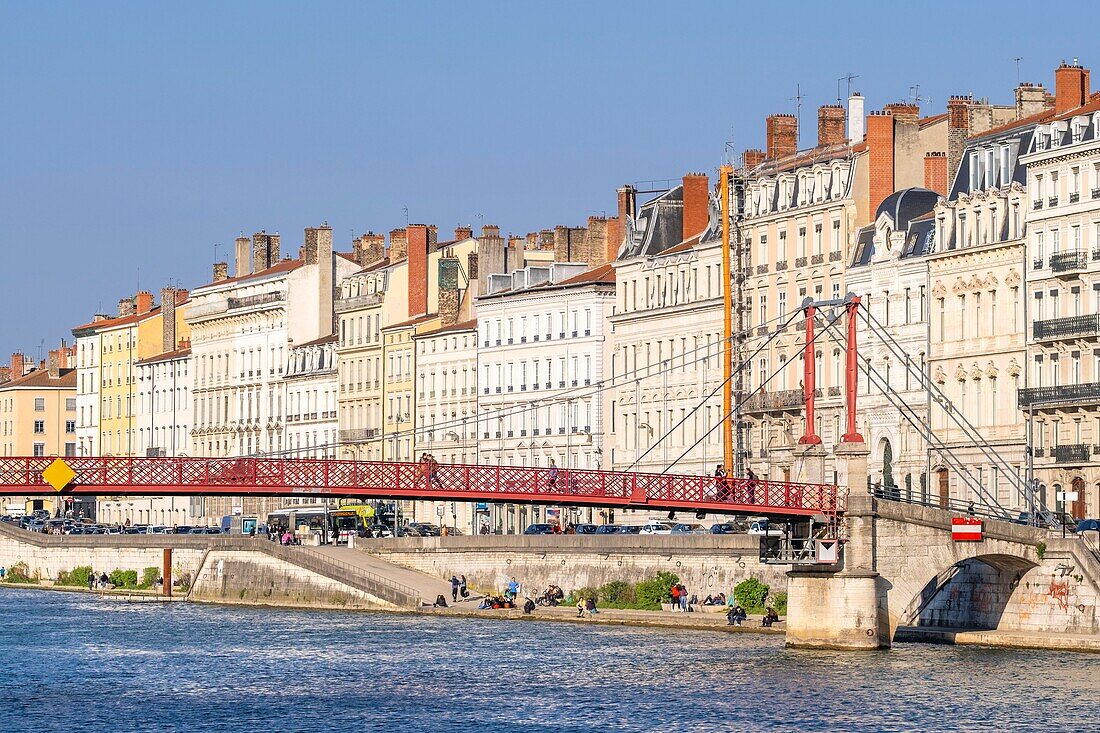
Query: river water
[[71, 662]]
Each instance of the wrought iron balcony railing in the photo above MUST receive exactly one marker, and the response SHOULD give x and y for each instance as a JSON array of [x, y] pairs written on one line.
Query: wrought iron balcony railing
[[359, 301], [259, 299], [1072, 453], [1040, 396], [1067, 261], [784, 399], [1055, 328]]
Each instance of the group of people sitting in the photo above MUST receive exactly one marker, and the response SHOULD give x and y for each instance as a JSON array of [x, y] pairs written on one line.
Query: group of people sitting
[[586, 607], [552, 596], [503, 601], [718, 599]]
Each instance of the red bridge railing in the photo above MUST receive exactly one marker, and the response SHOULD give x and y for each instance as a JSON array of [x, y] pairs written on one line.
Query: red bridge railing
[[378, 479]]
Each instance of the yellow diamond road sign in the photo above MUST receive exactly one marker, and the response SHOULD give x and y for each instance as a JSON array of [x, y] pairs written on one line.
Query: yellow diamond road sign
[[58, 474]]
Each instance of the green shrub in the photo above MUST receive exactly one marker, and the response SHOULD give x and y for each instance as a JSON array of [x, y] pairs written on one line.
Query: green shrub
[[751, 593], [1041, 549], [78, 578], [779, 602], [652, 593], [586, 592], [149, 577], [617, 593], [124, 578], [20, 573]]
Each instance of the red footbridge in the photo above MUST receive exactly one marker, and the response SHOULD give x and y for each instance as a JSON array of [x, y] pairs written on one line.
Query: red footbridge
[[296, 477]]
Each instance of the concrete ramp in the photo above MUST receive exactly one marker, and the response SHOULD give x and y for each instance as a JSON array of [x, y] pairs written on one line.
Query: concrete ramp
[[409, 580]]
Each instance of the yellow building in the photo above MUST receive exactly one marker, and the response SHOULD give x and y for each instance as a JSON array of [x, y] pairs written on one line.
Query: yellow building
[[38, 416], [119, 343]]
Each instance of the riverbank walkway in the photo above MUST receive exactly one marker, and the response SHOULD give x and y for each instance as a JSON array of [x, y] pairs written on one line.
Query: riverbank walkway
[[428, 586]]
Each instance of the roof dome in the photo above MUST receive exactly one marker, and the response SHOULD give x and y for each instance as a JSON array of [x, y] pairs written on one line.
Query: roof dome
[[906, 204]]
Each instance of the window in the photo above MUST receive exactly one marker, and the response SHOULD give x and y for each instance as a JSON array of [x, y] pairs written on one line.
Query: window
[[39, 427], [39, 404], [70, 404], [781, 255], [782, 304], [39, 449], [70, 426]]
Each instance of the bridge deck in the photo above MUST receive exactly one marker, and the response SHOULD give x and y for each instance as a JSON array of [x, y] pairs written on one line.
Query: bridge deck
[[127, 476]]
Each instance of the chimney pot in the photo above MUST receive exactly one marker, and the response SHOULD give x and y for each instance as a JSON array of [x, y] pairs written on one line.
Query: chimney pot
[[782, 136], [1071, 87], [830, 125], [221, 271], [696, 212]]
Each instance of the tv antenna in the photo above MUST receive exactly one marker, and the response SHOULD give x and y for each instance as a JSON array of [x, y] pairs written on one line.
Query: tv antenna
[[797, 99], [848, 78], [915, 97], [1018, 59]]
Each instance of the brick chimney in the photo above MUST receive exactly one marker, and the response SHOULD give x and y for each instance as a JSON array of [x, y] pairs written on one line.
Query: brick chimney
[[696, 204], [569, 243], [399, 245], [448, 306], [143, 302], [490, 256], [1071, 86], [958, 128], [18, 364], [265, 250], [168, 319], [515, 252], [53, 363], [463, 233], [782, 136], [1032, 99], [317, 250], [242, 263], [418, 237], [830, 125], [935, 172], [752, 158], [221, 271], [369, 248], [532, 241], [126, 307], [880, 164]]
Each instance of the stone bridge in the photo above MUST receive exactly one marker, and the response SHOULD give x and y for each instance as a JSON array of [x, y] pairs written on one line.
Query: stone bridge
[[901, 569]]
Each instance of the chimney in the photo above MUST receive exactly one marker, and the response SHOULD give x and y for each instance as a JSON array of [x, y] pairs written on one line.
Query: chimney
[[463, 233], [471, 271], [418, 237], [126, 307], [221, 271], [433, 235], [1071, 87], [616, 228], [1032, 99], [182, 294], [880, 163], [18, 364], [935, 172], [782, 136], [958, 128], [856, 129], [596, 245], [265, 250], [448, 306], [369, 248], [243, 263], [399, 245], [168, 319], [54, 363], [490, 256], [143, 302], [532, 241], [830, 125], [696, 205], [752, 158], [568, 243], [318, 251]]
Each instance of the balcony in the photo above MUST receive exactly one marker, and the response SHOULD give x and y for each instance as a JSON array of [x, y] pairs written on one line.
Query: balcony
[[357, 435], [800, 262], [834, 256], [254, 300], [1037, 204], [817, 260], [1068, 327], [359, 301], [782, 400], [781, 266], [761, 269], [1052, 201], [1088, 392], [1067, 263], [1075, 197], [1072, 453], [1096, 193]]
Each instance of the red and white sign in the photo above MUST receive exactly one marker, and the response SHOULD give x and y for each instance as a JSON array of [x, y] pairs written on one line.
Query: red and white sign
[[966, 529]]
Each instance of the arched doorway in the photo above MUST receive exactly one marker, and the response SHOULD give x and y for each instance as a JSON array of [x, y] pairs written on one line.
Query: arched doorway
[[1077, 506]]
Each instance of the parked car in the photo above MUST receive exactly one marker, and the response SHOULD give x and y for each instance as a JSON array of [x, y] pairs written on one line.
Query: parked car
[[727, 528], [763, 527], [608, 529], [654, 526], [539, 529], [1088, 525], [585, 528], [426, 529], [630, 529], [688, 528]]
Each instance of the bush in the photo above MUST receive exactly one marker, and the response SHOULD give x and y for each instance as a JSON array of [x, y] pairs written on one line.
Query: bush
[[149, 577], [652, 593], [751, 594], [20, 573], [78, 578], [779, 602], [586, 592], [617, 593], [124, 578]]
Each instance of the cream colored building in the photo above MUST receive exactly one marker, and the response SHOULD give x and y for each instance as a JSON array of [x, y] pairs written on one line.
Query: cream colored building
[[1062, 400]]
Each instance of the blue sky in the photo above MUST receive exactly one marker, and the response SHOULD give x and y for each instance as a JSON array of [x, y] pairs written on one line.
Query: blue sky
[[137, 136]]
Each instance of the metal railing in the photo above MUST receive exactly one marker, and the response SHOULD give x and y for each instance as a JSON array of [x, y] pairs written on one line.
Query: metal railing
[[1053, 328], [782, 400], [1071, 453], [1037, 396], [359, 301], [353, 435], [252, 300], [1067, 261]]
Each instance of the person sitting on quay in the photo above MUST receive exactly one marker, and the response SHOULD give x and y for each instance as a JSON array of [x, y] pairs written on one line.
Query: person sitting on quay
[[581, 608], [590, 606], [736, 616], [528, 606], [770, 617]]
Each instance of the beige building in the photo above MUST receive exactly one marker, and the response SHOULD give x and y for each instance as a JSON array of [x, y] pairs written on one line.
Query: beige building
[[1061, 152], [38, 418]]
